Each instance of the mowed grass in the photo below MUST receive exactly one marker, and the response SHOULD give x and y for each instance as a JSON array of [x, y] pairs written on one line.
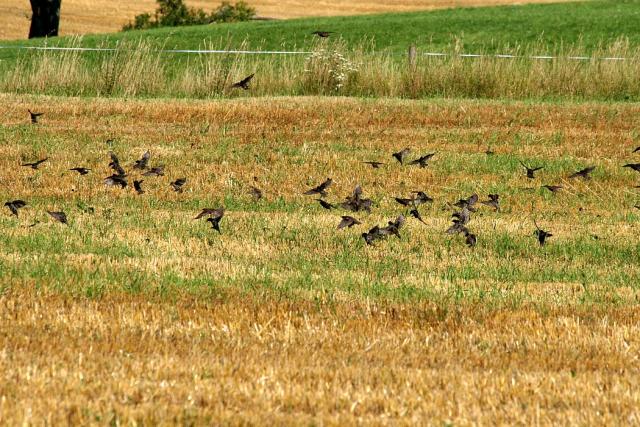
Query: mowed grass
[[136, 313], [482, 29]]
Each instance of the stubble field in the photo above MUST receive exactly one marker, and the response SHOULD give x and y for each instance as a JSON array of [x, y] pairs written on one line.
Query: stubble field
[[137, 312]]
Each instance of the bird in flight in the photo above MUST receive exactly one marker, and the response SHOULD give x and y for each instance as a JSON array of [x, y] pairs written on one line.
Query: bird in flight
[[423, 161], [541, 234], [115, 164], [634, 166], [215, 216], [322, 34], [494, 202], [80, 170], [325, 205], [375, 165], [348, 222], [244, 83], [470, 238], [414, 213], [636, 150], [116, 179], [15, 205], [137, 185], [143, 161], [531, 171], [177, 184], [583, 173], [218, 212], [157, 171], [59, 216], [401, 155], [553, 188], [320, 189], [35, 165], [34, 116]]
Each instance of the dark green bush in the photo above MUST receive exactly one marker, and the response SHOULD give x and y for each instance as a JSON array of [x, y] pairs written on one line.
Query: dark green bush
[[174, 13]]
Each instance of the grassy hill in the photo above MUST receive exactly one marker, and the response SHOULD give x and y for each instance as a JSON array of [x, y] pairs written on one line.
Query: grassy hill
[[480, 29]]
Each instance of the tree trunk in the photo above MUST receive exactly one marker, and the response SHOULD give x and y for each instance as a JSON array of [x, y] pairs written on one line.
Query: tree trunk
[[45, 18]]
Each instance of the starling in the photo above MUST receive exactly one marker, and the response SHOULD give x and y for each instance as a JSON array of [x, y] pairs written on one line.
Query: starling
[[393, 227], [81, 171], [531, 171], [414, 213], [35, 165], [325, 205], [421, 197], [553, 188], [372, 235], [460, 220], [59, 216], [634, 166], [636, 150], [157, 171], [177, 184], [143, 161], [244, 83], [355, 202], [320, 189], [583, 173], [401, 155], [470, 238], [541, 234], [489, 152], [405, 202], [494, 202], [34, 116], [214, 213], [468, 202], [15, 205], [115, 164], [255, 192], [423, 161], [375, 165], [348, 222], [116, 179], [322, 34], [137, 185]]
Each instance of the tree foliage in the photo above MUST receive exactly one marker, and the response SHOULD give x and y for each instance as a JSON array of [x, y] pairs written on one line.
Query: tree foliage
[[174, 13]]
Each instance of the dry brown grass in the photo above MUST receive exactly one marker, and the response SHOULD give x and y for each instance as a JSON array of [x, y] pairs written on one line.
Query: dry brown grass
[[102, 16], [126, 360]]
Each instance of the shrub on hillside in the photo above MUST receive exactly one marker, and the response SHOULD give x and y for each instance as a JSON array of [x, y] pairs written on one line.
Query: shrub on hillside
[[174, 13]]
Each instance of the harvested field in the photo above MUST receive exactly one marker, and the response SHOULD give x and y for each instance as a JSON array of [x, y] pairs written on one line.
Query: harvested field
[[135, 312]]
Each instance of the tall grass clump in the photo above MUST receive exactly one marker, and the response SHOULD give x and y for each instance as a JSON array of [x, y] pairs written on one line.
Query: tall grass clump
[[138, 69]]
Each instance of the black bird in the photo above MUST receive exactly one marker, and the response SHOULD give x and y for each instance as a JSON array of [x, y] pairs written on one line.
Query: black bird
[[214, 213], [636, 150], [393, 227], [59, 216], [35, 165], [489, 152], [414, 213], [143, 161], [157, 171], [244, 83], [215, 218], [322, 34], [460, 220], [325, 205], [375, 165], [255, 192], [421, 197], [469, 202], [470, 238], [405, 202], [541, 234], [348, 222], [115, 164], [177, 184], [422, 161], [372, 235], [637, 206], [634, 166], [137, 185], [531, 171], [15, 205], [401, 155], [116, 179], [34, 116], [81, 171], [583, 173], [355, 202], [320, 189], [494, 202], [553, 188]]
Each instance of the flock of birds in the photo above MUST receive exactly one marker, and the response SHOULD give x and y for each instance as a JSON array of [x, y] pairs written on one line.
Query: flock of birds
[[354, 202]]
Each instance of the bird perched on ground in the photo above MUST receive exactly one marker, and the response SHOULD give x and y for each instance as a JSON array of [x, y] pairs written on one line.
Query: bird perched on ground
[[541, 234], [320, 189], [143, 161], [422, 161], [115, 164], [116, 179], [34, 116], [470, 238], [157, 171], [634, 166], [414, 213], [494, 202], [583, 173], [255, 192], [244, 83], [531, 171], [553, 188], [59, 216], [214, 213], [325, 205], [137, 185], [322, 34], [348, 222], [81, 171], [177, 184], [15, 205], [375, 165], [401, 155], [35, 165]]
